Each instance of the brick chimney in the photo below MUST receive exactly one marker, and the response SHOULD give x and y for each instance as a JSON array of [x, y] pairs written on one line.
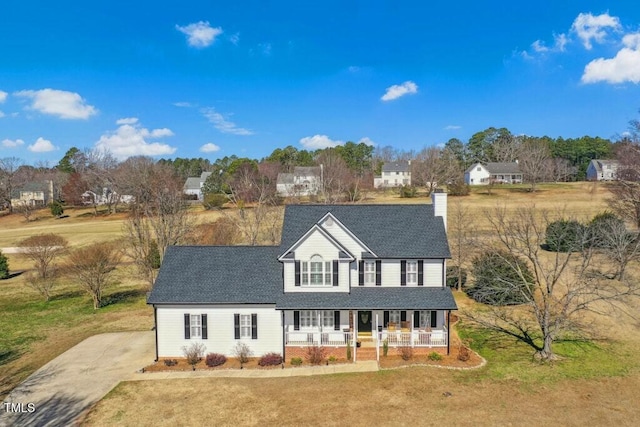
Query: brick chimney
[[439, 201]]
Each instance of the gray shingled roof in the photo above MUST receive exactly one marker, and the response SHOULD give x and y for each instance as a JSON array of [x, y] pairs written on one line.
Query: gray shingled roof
[[285, 178], [599, 163], [192, 184], [218, 275], [380, 298], [494, 168], [390, 231], [399, 166]]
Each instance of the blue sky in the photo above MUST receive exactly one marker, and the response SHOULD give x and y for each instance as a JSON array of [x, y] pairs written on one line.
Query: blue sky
[[209, 79]]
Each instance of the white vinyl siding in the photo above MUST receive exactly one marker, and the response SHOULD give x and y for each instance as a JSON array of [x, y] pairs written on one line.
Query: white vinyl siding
[[432, 269], [220, 330], [317, 280]]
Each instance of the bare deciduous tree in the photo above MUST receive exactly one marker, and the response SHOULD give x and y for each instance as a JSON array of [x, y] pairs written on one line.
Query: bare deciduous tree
[[336, 176], [43, 286], [619, 245], [43, 250], [534, 161], [462, 233], [9, 179], [93, 266], [625, 200], [433, 166], [564, 284]]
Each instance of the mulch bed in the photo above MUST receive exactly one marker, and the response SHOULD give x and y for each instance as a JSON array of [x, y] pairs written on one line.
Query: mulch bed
[[231, 363], [448, 361]]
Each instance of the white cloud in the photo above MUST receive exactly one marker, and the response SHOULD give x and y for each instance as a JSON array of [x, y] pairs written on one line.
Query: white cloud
[[539, 46], [235, 38], [452, 127], [396, 91], [222, 124], [130, 139], [66, 105], [183, 104], [200, 34], [624, 67], [8, 143], [209, 148], [353, 69], [367, 141], [594, 28], [41, 146], [560, 42], [318, 142], [3, 96], [127, 121]]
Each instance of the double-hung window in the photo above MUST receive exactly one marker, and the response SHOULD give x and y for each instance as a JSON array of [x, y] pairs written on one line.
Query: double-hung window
[[394, 317], [196, 326], [412, 272], [245, 326], [369, 272], [327, 319], [316, 272], [425, 319], [308, 319]]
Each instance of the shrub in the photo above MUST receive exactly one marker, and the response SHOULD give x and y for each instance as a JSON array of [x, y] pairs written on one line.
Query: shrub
[[565, 236], [170, 362], [408, 191], [4, 266], [193, 353], [56, 208], [315, 354], [406, 352], [270, 359], [332, 359], [464, 354], [458, 188], [296, 361], [349, 350], [215, 359], [452, 277], [214, 201], [242, 352], [434, 356], [385, 347], [501, 279], [602, 225]]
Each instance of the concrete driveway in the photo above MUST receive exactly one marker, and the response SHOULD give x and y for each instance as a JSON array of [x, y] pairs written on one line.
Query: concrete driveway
[[62, 390]]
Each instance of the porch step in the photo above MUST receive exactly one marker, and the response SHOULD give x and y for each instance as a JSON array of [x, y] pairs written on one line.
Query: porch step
[[366, 353]]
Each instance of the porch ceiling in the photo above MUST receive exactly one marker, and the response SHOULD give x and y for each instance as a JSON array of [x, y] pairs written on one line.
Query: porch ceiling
[[380, 298]]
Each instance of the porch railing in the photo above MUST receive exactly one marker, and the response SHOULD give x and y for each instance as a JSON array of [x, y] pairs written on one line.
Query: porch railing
[[414, 338], [304, 338]]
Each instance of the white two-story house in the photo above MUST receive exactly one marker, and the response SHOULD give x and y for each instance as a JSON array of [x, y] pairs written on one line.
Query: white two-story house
[[394, 174], [343, 275]]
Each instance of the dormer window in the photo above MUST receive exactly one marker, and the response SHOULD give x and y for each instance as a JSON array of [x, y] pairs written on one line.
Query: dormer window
[[316, 272]]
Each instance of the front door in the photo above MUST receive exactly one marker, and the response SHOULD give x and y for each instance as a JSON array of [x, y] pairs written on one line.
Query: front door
[[364, 321]]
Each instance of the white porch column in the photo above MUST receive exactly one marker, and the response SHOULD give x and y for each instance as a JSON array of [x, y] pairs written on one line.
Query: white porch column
[[377, 340], [354, 314]]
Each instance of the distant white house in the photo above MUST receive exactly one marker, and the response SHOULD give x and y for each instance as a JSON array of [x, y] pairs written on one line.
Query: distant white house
[[493, 173], [108, 197], [193, 185], [304, 181], [394, 174], [602, 170]]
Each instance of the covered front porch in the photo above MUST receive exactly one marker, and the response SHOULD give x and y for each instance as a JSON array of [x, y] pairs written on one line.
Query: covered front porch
[[426, 328], [338, 320]]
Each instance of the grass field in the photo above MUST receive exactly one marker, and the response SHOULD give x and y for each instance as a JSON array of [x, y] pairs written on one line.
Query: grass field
[[595, 383]]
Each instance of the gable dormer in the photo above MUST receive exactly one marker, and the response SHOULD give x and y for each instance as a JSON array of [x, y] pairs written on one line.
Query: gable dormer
[[317, 262]]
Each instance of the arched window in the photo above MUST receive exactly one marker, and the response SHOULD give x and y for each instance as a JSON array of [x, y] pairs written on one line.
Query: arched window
[[316, 272]]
